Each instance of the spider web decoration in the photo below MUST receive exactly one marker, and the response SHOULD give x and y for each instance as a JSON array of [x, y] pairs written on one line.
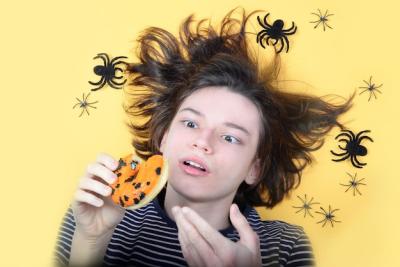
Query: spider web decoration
[[306, 205], [353, 147], [84, 104], [322, 19], [328, 216], [108, 71], [371, 88], [275, 32], [353, 183]]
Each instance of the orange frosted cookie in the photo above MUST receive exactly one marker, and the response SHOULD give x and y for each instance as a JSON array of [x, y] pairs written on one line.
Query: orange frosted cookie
[[139, 181]]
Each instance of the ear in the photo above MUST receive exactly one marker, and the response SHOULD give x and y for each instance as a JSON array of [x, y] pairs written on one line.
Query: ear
[[254, 173], [163, 140]]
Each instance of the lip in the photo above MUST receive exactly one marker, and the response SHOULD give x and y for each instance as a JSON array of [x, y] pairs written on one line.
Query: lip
[[198, 161]]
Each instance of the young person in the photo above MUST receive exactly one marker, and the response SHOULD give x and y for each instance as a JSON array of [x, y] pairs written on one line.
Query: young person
[[209, 102]]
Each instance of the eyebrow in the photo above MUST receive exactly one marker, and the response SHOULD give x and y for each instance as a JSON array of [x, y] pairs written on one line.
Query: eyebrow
[[228, 124]]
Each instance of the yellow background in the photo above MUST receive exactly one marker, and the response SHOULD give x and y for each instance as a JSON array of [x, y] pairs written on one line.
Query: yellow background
[[46, 62]]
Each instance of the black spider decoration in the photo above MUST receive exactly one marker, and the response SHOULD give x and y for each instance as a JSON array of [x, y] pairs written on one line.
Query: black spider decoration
[[275, 32], [328, 216], [322, 19], [83, 104], [371, 88], [354, 183], [353, 147], [107, 72], [306, 205]]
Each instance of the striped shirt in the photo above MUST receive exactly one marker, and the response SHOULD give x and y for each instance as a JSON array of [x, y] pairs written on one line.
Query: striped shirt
[[148, 237]]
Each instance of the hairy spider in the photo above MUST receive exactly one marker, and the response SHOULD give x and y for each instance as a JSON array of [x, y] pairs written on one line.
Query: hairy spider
[[107, 72], [322, 19], [371, 88], [306, 206], [353, 147], [275, 32], [353, 183], [83, 104], [328, 216]]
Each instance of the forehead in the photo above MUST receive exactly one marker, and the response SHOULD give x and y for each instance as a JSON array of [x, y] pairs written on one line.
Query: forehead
[[221, 105]]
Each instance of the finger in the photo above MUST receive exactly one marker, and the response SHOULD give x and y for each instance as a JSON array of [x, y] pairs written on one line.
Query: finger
[[215, 239], [107, 160], [189, 251], [247, 236], [96, 169], [95, 186], [86, 197]]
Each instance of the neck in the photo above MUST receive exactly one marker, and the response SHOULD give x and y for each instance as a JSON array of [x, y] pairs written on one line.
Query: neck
[[210, 211]]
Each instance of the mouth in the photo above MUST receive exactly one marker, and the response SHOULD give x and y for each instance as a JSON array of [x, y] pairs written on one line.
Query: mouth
[[194, 167]]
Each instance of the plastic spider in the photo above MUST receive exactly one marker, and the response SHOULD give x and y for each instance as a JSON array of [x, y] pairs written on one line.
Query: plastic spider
[[306, 205], [353, 183], [107, 72], [275, 32], [353, 147], [84, 104], [371, 88], [328, 216], [322, 19]]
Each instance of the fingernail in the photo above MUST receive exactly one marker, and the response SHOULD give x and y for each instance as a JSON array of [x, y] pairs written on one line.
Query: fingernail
[[185, 210]]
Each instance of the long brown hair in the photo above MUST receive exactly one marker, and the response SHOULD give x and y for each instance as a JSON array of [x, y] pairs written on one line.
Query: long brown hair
[[171, 68]]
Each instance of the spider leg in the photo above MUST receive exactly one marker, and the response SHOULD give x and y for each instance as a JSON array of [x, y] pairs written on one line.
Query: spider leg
[[83, 97], [358, 162], [344, 134], [104, 57], [261, 33], [261, 40], [99, 82], [365, 137], [115, 86], [319, 21], [370, 94], [374, 94], [87, 111], [360, 133], [83, 110], [377, 90], [115, 63], [355, 162], [261, 24], [339, 154], [344, 158], [351, 133], [266, 22], [77, 104], [363, 91], [288, 31], [103, 82], [282, 44], [117, 83]]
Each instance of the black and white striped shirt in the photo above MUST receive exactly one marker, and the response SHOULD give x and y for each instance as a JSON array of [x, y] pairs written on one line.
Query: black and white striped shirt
[[148, 237]]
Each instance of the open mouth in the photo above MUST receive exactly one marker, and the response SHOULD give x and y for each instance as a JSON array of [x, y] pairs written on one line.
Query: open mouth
[[192, 168]]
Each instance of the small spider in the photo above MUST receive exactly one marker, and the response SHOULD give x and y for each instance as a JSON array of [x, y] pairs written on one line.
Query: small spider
[[371, 88], [107, 72], [84, 104], [322, 18], [353, 183], [353, 147], [275, 32], [306, 206], [328, 216]]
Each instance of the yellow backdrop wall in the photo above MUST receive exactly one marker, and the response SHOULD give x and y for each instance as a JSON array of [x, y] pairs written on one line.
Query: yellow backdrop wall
[[47, 49]]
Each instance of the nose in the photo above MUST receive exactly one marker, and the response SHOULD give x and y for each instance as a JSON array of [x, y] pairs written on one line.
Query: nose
[[202, 142]]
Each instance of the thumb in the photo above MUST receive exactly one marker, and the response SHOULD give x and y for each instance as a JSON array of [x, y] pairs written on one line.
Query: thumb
[[247, 236]]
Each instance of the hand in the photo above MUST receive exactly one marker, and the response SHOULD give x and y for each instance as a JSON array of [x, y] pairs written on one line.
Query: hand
[[202, 245], [94, 212]]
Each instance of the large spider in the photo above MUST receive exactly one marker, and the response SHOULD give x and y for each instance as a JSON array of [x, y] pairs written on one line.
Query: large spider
[[371, 88], [107, 72], [306, 205], [328, 216], [353, 183], [275, 32], [353, 147], [321, 19], [83, 104]]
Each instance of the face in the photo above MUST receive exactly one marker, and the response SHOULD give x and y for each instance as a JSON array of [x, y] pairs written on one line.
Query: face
[[221, 129]]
